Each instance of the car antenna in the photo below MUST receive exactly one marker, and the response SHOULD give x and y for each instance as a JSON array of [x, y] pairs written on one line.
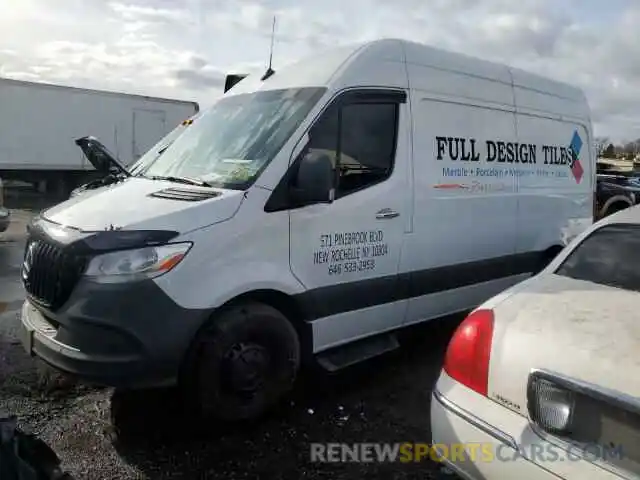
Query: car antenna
[[270, 71]]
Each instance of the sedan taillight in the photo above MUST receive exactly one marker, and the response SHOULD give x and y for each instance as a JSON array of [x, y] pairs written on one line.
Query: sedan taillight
[[469, 351]]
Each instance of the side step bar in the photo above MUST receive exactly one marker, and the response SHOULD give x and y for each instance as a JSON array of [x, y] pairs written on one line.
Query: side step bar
[[344, 356]]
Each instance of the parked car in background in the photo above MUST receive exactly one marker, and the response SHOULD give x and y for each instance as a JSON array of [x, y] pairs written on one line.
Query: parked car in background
[[545, 376], [5, 215], [615, 192]]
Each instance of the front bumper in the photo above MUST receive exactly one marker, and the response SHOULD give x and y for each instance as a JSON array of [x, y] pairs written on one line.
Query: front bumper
[[5, 219], [120, 335]]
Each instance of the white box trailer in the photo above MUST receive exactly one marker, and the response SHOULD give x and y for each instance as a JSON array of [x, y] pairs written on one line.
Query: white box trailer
[[39, 124]]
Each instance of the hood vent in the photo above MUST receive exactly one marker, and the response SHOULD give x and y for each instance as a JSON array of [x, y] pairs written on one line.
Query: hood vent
[[185, 194]]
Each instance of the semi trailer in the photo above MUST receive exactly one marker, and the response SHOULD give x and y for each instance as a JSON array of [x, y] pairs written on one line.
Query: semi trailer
[[39, 124]]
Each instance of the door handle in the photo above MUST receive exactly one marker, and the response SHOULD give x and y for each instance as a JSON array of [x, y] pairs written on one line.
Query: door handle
[[386, 213]]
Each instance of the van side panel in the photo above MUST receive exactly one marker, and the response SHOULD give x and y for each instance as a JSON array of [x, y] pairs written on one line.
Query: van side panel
[[424, 56], [535, 93], [464, 215], [556, 202]]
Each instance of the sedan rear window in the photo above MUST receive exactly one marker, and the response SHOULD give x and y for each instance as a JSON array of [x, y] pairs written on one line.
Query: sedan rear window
[[609, 256]]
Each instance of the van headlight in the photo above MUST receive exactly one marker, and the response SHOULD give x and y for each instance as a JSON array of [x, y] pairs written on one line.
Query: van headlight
[[139, 264]]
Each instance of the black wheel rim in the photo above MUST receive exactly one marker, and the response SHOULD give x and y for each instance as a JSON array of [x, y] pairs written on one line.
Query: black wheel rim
[[245, 369]]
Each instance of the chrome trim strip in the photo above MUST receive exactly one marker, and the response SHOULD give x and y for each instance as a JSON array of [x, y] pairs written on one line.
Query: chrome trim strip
[[485, 427], [475, 421]]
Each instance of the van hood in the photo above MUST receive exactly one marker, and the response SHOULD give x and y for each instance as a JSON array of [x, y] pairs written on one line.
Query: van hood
[[140, 203], [578, 329]]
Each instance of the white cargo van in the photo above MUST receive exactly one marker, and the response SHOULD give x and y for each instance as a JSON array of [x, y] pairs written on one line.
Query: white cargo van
[[309, 216]]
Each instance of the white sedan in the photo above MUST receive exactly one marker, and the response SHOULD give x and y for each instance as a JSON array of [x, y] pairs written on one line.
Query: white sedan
[[543, 380]]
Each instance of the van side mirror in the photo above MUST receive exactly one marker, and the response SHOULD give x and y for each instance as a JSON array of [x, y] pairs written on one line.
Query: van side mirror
[[313, 182]]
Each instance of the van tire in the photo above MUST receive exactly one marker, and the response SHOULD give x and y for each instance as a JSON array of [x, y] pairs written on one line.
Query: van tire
[[230, 351]]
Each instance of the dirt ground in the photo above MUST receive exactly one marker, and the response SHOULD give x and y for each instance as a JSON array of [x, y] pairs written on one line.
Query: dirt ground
[[102, 434]]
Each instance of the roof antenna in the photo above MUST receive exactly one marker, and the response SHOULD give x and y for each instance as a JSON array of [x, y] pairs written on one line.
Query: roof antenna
[[270, 71]]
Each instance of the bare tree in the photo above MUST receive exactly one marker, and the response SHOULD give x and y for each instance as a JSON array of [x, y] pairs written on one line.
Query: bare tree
[[629, 148], [601, 144]]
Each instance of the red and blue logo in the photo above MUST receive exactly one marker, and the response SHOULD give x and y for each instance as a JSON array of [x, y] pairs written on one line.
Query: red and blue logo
[[576, 166]]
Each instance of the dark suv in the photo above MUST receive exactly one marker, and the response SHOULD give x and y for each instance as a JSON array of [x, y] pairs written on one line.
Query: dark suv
[[615, 191]]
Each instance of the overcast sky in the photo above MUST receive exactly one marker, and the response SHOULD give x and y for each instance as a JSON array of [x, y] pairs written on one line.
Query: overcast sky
[[183, 48]]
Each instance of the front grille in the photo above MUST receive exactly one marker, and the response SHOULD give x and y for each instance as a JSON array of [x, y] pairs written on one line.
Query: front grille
[[50, 274]]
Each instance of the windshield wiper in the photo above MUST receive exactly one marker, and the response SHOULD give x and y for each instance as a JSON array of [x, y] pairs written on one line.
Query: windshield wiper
[[185, 180]]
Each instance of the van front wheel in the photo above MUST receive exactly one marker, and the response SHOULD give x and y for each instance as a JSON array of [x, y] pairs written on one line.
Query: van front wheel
[[245, 361]]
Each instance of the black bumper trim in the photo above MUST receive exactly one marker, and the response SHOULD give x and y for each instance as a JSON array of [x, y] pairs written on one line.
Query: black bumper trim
[[118, 335]]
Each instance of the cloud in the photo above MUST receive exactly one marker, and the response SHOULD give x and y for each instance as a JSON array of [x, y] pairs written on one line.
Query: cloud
[[184, 49], [133, 13], [198, 75]]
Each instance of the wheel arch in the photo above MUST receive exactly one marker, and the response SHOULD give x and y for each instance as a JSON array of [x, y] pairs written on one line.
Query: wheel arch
[[285, 303], [617, 199]]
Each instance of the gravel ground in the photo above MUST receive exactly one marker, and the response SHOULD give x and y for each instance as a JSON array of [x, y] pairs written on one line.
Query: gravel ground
[[102, 434], [106, 434]]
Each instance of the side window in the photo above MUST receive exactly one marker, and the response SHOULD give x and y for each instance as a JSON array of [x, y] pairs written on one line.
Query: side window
[[323, 136], [609, 256], [360, 138], [367, 145]]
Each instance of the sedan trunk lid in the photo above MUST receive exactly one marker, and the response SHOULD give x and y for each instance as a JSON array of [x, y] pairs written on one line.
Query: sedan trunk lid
[[579, 329]]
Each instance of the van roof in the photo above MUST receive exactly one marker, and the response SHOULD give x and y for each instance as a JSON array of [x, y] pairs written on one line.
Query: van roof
[[373, 61]]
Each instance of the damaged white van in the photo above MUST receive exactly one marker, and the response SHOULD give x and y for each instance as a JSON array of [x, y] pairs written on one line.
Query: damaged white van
[[309, 216]]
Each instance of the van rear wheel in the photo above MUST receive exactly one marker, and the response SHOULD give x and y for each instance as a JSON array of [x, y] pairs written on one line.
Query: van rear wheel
[[245, 361]]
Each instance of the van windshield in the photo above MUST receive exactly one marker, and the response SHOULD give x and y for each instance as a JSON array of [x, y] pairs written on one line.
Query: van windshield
[[231, 143], [154, 152]]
